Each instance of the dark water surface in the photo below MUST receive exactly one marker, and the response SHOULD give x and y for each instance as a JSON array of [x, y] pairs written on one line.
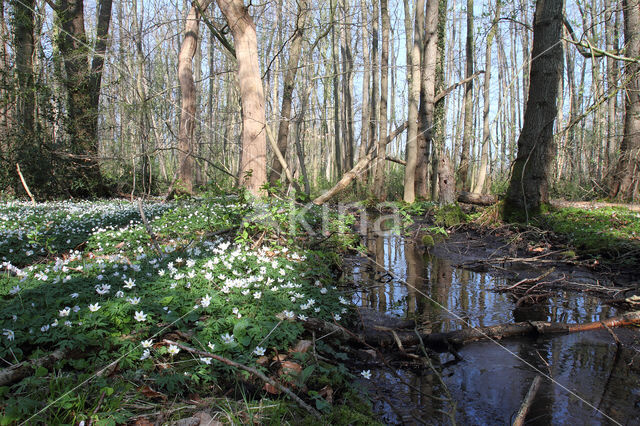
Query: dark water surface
[[594, 381]]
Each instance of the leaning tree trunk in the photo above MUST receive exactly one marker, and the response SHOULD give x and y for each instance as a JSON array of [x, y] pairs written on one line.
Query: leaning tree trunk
[[626, 180], [287, 91], [186, 144], [253, 164], [528, 188]]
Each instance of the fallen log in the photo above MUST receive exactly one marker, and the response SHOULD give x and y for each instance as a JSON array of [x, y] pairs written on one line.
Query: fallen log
[[475, 198], [443, 342], [24, 369]]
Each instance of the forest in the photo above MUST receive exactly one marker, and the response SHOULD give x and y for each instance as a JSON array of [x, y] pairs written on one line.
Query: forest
[[334, 212]]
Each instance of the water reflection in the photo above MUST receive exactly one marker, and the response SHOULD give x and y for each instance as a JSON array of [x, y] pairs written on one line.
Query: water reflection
[[490, 383]]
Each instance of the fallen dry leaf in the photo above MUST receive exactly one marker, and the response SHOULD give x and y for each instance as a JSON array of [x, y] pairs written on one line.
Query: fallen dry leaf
[[150, 393], [302, 346]]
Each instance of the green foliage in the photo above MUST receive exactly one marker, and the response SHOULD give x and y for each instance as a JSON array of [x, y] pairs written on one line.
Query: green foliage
[[449, 215], [612, 233], [87, 276]]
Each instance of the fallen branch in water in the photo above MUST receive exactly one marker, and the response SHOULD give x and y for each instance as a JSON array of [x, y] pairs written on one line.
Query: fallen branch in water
[[526, 404], [443, 342], [251, 370]]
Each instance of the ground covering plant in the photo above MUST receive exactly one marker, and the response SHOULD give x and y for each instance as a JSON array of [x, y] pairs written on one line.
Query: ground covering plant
[[224, 275], [609, 233]]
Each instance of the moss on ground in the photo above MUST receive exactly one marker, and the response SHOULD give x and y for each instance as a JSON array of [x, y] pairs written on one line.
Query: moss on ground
[[449, 215], [610, 233]]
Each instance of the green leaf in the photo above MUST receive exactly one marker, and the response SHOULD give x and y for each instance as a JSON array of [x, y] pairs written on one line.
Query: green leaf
[[41, 372]]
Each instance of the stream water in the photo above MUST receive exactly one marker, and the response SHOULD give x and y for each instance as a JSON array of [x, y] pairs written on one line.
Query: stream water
[[594, 382]]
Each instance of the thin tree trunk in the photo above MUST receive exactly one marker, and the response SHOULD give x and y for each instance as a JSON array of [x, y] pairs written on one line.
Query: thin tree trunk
[[467, 134], [379, 181], [287, 91], [486, 132], [375, 82], [366, 83]]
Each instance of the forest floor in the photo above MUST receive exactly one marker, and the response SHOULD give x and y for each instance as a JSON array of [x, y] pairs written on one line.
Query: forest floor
[[114, 312], [213, 309]]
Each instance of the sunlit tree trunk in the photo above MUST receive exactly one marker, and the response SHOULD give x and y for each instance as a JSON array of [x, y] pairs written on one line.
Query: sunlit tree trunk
[[528, 188], [253, 169], [413, 79], [186, 145]]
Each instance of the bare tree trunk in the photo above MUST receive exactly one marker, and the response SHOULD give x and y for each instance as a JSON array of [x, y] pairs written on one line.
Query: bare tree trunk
[[427, 97], [287, 91], [375, 82], [26, 146], [379, 181], [413, 77], [486, 132], [366, 83], [347, 86], [467, 134], [186, 144], [528, 188], [626, 180], [439, 116], [335, 58], [253, 164]]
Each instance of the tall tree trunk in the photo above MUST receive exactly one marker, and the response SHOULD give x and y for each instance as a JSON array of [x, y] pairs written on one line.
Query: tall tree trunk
[[427, 97], [379, 186], [253, 164], [27, 149], [486, 135], [347, 86], [186, 145], [287, 91], [528, 188], [366, 83], [467, 134], [83, 82], [375, 82], [439, 115], [626, 180], [413, 78], [335, 58]]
